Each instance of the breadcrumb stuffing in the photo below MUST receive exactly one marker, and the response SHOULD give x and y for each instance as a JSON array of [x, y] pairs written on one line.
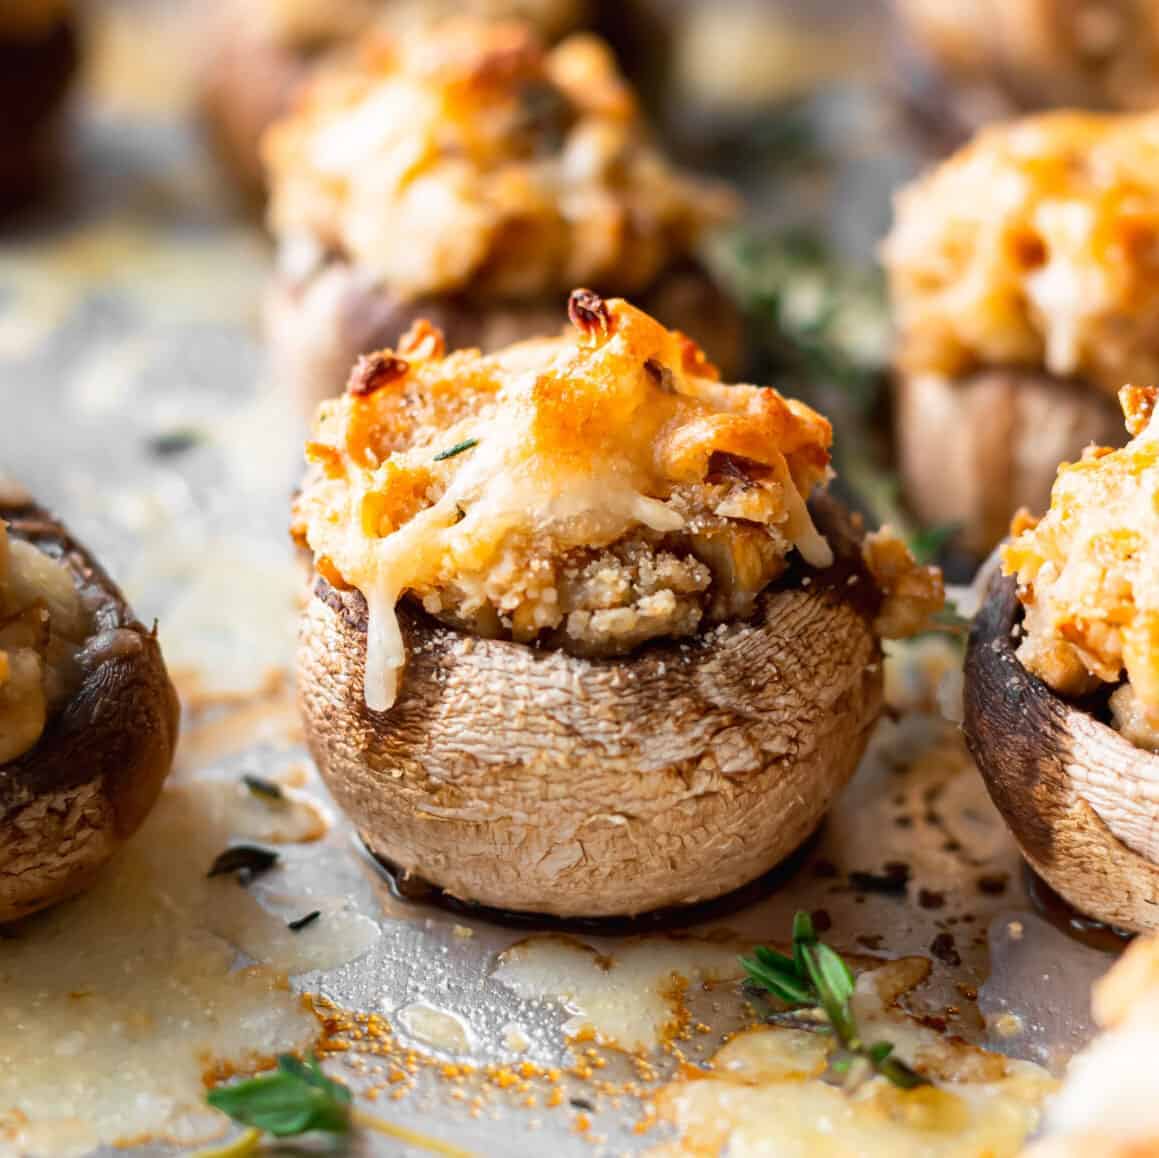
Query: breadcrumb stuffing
[[589, 492], [1035, 245], [472, 160], [1088, 575]]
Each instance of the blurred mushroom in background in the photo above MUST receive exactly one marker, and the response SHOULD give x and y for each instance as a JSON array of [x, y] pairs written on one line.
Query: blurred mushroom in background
[[39, 54], [964, 65], [1024, 280], [471, 177], [259, 52]]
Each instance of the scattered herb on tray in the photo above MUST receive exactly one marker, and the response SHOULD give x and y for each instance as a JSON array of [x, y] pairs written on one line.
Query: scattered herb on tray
[[816, 978], [892, 881], [171, 443], [298, 1098], [266, 789], [246, 860], [458, 448]]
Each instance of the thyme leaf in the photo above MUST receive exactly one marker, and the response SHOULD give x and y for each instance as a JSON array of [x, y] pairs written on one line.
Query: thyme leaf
[[296, 1098], [458, 448], [260, 786], [817, 976]]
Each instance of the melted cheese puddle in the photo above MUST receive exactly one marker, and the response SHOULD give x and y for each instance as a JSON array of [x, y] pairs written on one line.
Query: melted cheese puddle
[[438, 1028], [630, 999], [763, 1096], [113, 1006]]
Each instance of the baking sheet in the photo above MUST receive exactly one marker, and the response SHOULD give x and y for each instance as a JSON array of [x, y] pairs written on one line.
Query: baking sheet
[[135, 402]]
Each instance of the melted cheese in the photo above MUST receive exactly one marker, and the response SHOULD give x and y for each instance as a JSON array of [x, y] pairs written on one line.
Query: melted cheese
[[471, 159], [764, 1094], [559, 444], [1087, 575], [1034, 246]]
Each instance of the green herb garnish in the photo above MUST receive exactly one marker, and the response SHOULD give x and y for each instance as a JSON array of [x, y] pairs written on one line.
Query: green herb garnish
[[266, 789], [816, 976], [458, 448], [300, 923], [928, 543], [296, 1098]]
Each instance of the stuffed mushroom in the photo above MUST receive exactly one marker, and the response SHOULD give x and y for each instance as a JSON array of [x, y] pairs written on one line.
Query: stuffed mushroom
[[471, 177], [38, 58], [1062, 680], [577, 643], [1023, 282], [261, 53], [88, 717]]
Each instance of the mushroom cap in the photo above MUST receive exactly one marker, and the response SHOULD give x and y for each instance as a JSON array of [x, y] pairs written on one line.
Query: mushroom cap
[[1082, 802], [975, 449], [70, 801], [534, 780]]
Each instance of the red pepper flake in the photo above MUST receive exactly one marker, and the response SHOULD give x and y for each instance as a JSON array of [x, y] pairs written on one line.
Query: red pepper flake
[[374, 371], [589, 313]]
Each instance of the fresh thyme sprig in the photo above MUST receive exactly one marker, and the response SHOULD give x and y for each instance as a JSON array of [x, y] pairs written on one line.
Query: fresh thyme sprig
[[298, 1098], [816, 976], [457, 449]]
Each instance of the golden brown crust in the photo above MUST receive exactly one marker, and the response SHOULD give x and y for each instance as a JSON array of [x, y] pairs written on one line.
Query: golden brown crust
[[262, 51], [70, 801], [317, 326], [535, 780], [1088, 573], [485, 486], [471, 160], [1033, 247]]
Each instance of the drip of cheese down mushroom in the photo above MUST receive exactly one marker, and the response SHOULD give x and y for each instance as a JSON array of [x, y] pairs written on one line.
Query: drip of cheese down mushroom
[[607, 476]]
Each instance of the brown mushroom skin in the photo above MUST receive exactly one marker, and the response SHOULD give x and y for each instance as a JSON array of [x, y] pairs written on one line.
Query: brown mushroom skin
[[966, 65], [72, 800], [247, 84], [35, 73], [317, 327], [973, 450], [1044, 760], [536, 781]]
